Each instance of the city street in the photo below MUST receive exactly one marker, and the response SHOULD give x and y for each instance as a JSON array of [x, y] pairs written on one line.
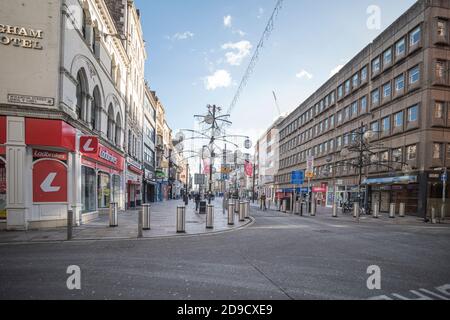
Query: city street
[[280, 256]]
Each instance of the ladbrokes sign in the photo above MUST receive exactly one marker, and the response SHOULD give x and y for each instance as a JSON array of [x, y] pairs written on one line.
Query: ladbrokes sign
[[21, 37]]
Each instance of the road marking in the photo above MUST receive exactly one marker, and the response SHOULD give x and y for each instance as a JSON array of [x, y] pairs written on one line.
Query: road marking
[[438, 293]]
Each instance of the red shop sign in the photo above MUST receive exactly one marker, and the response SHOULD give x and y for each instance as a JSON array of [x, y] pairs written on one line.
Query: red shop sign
[[318, 190], [88, 144], [49, 182], [40, 154], [2, 129], [49, 133], [107, 157]]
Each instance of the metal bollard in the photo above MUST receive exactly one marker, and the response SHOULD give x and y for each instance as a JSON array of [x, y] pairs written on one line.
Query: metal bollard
[[376, 210], [69, 224], [356, 210], [392, 211], [146, 218], [236, 206], [230, 213], [247, 210], [313, 209], [210, 217], [242, 211], [284, 206], [402, 210], [443, 207], [433, 215], [181, 219], [335, 210], [113, 218]]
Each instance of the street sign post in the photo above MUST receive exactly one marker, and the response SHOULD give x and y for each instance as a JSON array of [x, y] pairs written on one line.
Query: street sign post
[[297, 179], [310, 175]]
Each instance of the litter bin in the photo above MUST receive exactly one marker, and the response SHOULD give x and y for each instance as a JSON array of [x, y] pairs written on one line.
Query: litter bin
[[181, 219], [231, 213], [202, 207], [210, 217], [113, 218]]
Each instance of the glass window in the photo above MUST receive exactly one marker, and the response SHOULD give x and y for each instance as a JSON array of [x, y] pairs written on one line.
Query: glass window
[[398, 120], [414, 37], [116, 188], [411, 152], [339, 117], [355, 108], [386, 125], [364, 74], [104, 190], [387, 57], [438, 110], [339, 142], [397, 155], [437, 151], [400, 48], [376, 65], [363, 105], [413, 113], [374, 127], [355, 80], [340, 91], [88, 178], [384, 157], [347, 87], [400, 83], [332, 121], [414, 75], [387, 90], [440, 69], [347, 113], [375, 97], [331, 145], [346, 139], [441, 28]]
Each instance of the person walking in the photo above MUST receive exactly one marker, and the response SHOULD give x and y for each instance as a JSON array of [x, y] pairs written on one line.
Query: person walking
[[197, 202], [263, 202]]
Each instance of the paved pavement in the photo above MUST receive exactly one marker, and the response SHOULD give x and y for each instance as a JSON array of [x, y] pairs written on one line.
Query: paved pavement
[[163, 224], [280, 256]]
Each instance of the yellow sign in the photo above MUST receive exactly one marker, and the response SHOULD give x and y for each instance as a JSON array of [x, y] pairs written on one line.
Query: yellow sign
[[310, 175]]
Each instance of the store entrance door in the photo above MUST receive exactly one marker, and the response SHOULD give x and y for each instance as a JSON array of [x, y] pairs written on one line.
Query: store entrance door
[[131, 195]]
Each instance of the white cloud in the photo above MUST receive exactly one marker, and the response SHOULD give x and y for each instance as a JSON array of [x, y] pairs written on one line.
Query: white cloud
[[336, 70], [181, 36], [241, 51], [227, 21], [304, 74], [220, 79]]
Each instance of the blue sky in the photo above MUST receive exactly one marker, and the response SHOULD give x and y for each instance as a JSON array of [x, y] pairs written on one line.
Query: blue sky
[[190, 40]]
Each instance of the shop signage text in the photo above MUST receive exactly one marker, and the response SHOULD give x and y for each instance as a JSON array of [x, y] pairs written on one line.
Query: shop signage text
[[19, 36], [35, 100], [105, 155], [40, 154]]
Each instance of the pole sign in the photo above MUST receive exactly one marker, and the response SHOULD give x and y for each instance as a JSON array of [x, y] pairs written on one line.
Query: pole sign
[[310, 165], [444, 177], [297, 177]]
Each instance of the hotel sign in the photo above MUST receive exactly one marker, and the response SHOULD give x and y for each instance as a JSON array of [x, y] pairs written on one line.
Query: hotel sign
[[22, 37]]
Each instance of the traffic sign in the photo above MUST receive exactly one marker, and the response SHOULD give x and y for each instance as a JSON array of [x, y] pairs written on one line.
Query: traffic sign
[[444, 177], [310, 175], [297, 177], [310, 166]]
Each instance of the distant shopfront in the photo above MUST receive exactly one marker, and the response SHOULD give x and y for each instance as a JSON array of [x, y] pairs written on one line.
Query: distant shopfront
[[101, 179], [134, 183]]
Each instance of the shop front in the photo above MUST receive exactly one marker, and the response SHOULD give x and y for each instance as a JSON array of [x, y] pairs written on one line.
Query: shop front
[[101, 180], [401, 189], [150, 187], [134, 184], [320, 194]]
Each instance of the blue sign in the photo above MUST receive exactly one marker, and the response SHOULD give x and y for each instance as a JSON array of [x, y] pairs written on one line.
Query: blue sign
[[444, 177], [298, 177]]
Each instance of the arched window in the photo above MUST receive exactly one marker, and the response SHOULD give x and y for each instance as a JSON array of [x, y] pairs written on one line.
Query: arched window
[[111, 129], [81, 93], [118, 131], [95, 109], [95, 41]]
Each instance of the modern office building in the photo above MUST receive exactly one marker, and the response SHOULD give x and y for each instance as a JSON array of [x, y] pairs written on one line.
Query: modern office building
[[397, 86]]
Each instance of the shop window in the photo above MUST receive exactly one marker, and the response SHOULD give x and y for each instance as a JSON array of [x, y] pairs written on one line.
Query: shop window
[[438, 110], [95, 109], [110, 129], [397, 155], [116, 188], [103, 190], [88, 178]]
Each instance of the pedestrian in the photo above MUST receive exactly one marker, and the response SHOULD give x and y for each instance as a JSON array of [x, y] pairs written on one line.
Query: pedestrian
[[197, 202], [263, 202]]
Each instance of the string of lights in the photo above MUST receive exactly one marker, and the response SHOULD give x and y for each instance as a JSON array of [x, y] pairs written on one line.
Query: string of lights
[[267, 32]]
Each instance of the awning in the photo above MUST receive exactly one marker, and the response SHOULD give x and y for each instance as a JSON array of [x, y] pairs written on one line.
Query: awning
[[391, 180], [49, 133]]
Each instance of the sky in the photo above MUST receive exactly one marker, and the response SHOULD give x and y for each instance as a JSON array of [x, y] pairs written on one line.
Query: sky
[[198, 51]]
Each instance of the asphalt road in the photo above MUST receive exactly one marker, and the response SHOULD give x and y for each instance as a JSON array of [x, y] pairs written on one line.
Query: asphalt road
[[278, 257]]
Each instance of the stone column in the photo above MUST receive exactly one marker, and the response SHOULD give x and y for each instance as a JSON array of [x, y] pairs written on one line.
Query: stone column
[[18, 200]]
